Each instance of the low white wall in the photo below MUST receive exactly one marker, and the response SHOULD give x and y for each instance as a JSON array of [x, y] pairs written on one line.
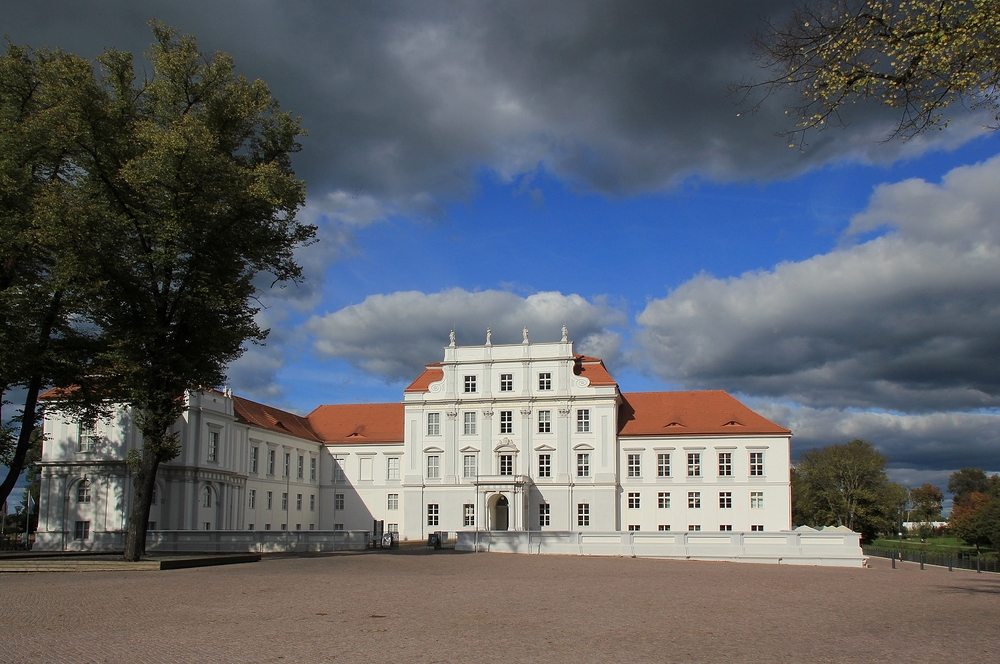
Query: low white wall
[[217, 541], [840, 549]]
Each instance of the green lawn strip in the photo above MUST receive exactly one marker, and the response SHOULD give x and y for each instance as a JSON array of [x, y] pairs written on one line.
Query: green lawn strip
[[943, 545]]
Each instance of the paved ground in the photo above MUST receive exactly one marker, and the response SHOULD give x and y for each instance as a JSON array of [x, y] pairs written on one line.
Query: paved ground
[[451, 607]]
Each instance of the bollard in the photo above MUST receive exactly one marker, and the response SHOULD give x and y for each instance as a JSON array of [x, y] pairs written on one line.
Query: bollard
[[893, 556], [978, 569], [921, 560], [949, 564]]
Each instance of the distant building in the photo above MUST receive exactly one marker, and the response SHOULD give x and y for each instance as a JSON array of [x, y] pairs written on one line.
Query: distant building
[[494, 437]]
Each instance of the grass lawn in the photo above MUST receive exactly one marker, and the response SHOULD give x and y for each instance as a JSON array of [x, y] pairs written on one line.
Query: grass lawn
[[933, 544]]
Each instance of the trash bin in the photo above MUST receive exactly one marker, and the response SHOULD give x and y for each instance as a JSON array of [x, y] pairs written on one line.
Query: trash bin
[[434, 540]]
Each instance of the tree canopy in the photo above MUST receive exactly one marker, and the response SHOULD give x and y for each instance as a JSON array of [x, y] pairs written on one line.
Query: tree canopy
[[925, 503], [183, 197], [916, 56], [846, 485]]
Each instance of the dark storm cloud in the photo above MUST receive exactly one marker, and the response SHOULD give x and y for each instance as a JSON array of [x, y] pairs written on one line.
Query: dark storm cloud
[[406, 102]]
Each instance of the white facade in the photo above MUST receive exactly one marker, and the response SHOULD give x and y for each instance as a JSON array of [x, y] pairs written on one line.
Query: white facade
[[513, 437]]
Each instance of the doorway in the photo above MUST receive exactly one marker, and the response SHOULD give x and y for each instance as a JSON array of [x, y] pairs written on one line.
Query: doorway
[[500, 514]]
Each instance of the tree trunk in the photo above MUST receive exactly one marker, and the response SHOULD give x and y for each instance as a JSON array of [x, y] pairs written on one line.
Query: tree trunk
[[23, 439], [143, 481]]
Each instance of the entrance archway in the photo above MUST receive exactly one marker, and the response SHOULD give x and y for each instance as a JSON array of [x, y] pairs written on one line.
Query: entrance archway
[[500, 513]]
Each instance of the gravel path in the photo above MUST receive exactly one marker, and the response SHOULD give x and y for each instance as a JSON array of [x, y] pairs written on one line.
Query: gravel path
[[452, 607]]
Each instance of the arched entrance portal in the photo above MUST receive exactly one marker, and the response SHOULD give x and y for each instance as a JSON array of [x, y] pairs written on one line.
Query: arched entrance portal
[[499, 513]]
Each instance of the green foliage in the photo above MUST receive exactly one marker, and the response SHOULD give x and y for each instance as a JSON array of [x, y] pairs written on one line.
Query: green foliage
[[925, 503], [917, 56], [846, 485], [968, 481]]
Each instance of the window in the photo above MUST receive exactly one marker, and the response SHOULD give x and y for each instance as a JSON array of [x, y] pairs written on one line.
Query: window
[[206, 497], [583, 514], [583, 421], [83, 492], [312, 502], [338, 470], [284, 501], [152, 498], [469, 465], [312, 526], [663, 464], [545, 465], [288, 464], [392, 468], [338, 501], [694, 464], [336, 526], [757, 529], [300, 471], [270, 462], [312, 469], [87, 439], [298, 502], [250, 527], [252, 499], [207, 525], [633, 500], [267, 526], [725, 464], [506, 382], [583, 465], [213, 445], [254, 451], [393, 501], [663, 527], [694, 528], [725, 500], [694, 499], [392, 527], [635, 465], [298, 526], [725, 528], [545, 381], [506, 464], [470, 424], [432, 514], [633, 527], [756, 464], [433, 424], [270, 499], [663, 500], [506, 421], [284, 526], [543, 515], [470, 384], [82, 531], [544, 421], [756, 500], [469, 514], [433, 466]]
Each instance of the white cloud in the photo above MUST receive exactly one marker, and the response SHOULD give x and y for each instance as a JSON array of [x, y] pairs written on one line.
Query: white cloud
[[907, 321], [395, 335]]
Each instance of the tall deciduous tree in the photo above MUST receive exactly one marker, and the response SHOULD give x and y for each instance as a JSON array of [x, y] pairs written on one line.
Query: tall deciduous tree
[[43, 291], [926, 503], [192, 167], [967, 481], [846, 485], [917, 56]]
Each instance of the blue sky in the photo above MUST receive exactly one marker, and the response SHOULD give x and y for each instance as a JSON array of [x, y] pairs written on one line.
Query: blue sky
[[508, 164]]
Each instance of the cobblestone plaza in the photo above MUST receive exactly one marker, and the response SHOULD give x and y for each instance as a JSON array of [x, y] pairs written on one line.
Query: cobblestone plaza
[[451, 607]]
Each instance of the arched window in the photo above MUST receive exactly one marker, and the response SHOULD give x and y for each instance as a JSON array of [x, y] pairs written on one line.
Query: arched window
[[207, 497], [83, 491]]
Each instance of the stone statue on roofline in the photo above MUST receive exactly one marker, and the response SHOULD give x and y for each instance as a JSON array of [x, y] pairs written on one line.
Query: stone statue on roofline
[[489, 337], [524, 334], [451, 339], [565, 334]]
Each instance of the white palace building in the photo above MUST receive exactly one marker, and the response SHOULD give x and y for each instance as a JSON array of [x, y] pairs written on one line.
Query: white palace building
[[495, 442]]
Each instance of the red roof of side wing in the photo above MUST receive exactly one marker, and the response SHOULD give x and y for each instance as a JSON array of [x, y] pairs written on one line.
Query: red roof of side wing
[[593, 369], [353, 424], [273, 419], [686, 413]]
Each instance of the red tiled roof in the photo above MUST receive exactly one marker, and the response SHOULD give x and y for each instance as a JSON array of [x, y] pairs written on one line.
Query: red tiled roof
[[58, 392], [592, 368], [358, 423], [272, 419], [424, 380], [686, 413]]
